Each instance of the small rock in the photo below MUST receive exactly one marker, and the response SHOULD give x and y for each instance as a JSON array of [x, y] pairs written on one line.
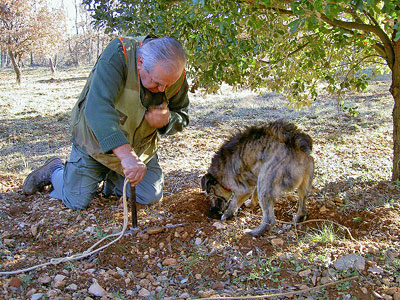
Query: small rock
[[325, 280], [218, 286], [197, 276], [198, 241], [150, 277], [144, 293], [375, 270], [303, 287], [30, 293], [52, 293], [184, 296], [37, 296], [34, 230], [386, 281], [277, 242], [96, 290], [90, 230], [59, 281], [387, 297], [141, 275], [144, 282], [206, 294], [184, 280], [59, 277], [15, 282], [72, 287], [391, 291], [169, 262], [159, 289], [305, 273], [44, 279], [350, 261], [121, 272], [219, 225], [155, 230], [9, 242], [143, 236], [377, 295], [364, 290], [396, 296]]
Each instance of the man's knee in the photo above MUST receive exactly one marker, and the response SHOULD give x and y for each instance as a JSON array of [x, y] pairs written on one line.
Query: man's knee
[[148, 198], [77, 201]]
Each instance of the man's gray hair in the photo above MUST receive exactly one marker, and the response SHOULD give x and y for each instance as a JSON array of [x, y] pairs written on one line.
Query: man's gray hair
[[166, 50]]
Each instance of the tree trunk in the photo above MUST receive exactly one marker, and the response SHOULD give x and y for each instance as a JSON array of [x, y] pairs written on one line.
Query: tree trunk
[[15, 65], [52, 68], [98, 45], [395, 91]]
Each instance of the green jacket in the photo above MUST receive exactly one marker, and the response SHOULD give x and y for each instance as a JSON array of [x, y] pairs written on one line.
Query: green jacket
[[110, 110]]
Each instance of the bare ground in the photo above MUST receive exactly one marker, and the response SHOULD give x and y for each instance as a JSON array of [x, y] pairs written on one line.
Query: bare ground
[[178, 251]]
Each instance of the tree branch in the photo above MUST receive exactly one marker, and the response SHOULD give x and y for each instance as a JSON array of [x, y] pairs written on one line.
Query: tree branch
[[387, 45], [290, 54]]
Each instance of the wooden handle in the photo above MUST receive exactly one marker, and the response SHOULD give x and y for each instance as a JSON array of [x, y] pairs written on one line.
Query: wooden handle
[[133, 206]]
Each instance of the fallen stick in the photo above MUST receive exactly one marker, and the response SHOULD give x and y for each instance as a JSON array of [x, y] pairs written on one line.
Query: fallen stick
[[292, 293]]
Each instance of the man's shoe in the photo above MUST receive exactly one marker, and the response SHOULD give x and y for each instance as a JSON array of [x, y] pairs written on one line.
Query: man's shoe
[[108, 188], [41, 177]]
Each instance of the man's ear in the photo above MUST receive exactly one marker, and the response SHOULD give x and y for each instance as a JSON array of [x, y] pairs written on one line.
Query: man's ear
[[139, 62]]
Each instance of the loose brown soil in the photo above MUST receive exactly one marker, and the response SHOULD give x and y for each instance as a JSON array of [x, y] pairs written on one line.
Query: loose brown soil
[[353, 207]]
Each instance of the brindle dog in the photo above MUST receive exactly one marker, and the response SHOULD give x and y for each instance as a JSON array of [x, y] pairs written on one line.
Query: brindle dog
[[261, 162]]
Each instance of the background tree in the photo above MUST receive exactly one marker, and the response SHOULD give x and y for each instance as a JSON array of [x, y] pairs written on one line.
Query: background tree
[[26, 25], [292, 47]]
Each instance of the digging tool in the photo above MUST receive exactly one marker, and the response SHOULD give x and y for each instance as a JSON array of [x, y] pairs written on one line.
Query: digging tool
[[133, 206]]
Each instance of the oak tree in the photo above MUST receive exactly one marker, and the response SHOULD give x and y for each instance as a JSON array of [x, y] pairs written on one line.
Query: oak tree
[[27, 25], [291, 46]]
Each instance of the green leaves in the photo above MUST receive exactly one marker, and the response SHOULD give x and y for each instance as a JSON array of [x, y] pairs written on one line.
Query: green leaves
[[294, 25], [291, 47]]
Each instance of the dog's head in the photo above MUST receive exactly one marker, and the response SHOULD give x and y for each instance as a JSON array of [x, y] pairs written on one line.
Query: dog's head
[[218, 195]]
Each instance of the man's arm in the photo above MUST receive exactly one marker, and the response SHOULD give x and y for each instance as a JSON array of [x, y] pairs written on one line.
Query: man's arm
[[109, 77]]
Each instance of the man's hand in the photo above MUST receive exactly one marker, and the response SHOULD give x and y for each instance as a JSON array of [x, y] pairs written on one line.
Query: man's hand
[[134, 170], [158, 116]]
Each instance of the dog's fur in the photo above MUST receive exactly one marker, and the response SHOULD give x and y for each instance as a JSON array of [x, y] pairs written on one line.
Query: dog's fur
[[261, 162]]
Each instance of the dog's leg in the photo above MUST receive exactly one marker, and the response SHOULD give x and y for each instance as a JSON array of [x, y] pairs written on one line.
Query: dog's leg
[[253, 201], [267, 192], [303, 191], [268, 220], [234, 205]]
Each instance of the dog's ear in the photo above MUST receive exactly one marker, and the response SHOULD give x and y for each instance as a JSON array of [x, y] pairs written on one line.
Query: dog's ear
[[204, 181], [207, 181]]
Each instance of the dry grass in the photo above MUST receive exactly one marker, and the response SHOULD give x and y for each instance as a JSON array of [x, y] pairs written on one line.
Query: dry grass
[[352, 187]]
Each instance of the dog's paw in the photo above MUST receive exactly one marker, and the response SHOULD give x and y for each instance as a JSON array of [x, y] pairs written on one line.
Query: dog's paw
[[260, 230], [227, 215]]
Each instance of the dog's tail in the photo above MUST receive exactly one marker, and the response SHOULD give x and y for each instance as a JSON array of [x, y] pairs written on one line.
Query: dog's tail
[[292, 136]]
